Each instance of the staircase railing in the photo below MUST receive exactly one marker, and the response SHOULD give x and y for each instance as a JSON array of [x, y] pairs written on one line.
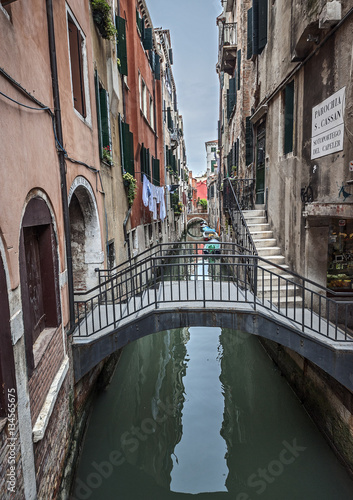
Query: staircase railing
[[240, 228], [182, 273]]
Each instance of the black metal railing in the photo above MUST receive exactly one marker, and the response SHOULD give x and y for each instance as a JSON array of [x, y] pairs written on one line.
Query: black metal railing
[[238, 223], [183, 273], [244, 190]]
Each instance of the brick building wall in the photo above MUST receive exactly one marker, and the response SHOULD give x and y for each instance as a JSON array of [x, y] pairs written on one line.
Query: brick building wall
[[50, 453], [44, 373]]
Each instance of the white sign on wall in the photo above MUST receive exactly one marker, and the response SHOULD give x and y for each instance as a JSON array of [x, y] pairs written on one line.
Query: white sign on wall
[[327, 128]]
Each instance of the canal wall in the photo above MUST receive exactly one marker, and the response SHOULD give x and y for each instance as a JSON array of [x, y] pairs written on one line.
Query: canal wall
[[329, 404], [81, 400]]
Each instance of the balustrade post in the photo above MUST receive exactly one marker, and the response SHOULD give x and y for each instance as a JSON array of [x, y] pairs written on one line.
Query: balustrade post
[[155, 283]]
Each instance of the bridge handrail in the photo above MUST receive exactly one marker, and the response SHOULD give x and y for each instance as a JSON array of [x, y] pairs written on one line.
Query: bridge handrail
[[117, 270], [247, 257], [130, 283]]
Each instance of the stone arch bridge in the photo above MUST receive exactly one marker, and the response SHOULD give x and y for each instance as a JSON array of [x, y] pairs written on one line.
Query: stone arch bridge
[[176, 285]]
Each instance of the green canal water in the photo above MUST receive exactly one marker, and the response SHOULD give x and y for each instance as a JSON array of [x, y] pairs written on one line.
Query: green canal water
[[203, 413]]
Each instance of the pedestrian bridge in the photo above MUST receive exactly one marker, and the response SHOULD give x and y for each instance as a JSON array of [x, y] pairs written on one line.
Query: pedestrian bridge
[[177, 285]]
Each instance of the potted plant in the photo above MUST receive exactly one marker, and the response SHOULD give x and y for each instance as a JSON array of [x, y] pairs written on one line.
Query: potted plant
[[107, 155], [102, 19], [130, 185]]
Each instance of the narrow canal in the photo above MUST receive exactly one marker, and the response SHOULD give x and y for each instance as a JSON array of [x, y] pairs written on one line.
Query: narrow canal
[[204, 411]]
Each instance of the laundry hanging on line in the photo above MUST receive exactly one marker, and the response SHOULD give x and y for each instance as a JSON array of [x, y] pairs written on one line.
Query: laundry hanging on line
[[151, 197]]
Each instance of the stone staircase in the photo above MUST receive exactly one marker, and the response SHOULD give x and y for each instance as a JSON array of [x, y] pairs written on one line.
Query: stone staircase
[[266, 246]]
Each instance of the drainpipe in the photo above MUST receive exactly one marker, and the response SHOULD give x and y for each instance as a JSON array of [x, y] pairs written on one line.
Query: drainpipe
[[59, 133]]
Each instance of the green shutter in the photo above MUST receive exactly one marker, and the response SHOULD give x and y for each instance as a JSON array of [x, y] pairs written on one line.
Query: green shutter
[[147, 39], [238, 67], [131, 163], [138, 21], [156, 179], [232, 95], [262, 24], [152, 58], [121, 41], [157, 69], [127, 148], [170, 120], [249, 45], [145, 162], [288, 117], [105, 120], [255, 27], [99, 122], [248, 142]]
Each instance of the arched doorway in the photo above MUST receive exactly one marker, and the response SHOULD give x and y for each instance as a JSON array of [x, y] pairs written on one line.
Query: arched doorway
[[86, 245], [39, 272]]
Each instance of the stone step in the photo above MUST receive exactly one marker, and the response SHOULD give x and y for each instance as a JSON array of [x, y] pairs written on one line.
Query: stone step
[[283, 289], [253, 228], [253, 213], [277, 270], [255, 220], [283, 300], [261, 234], [267, 277], [264, 242], [269, 251], [276, 259]]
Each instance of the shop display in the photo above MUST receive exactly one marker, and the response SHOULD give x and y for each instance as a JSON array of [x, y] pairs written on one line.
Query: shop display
[[340, 255]]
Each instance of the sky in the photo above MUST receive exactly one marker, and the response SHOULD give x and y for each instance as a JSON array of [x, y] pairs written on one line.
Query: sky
[[194, 37]]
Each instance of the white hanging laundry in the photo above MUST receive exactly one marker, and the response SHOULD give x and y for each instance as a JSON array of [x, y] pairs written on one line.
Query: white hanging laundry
[[162, 208], [145, 190], [150, 199]]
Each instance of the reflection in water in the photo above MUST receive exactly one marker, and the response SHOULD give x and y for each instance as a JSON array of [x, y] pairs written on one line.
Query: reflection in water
[[203, 411], [199, 461]]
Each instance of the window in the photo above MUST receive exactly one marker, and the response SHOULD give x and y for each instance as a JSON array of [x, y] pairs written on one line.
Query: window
[[157, 67], [139, 22], [170, 119], [249, 51], [288, 117], [238, 67], [39, 275], [156, 180], [147, 40], [259, 26], [103, 118], [213, 165], [231, 97], [151, 113], [143, 97], [127, 148], [7, 364], [76, 46], [213, 150], [121, 48], [145, 162]]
